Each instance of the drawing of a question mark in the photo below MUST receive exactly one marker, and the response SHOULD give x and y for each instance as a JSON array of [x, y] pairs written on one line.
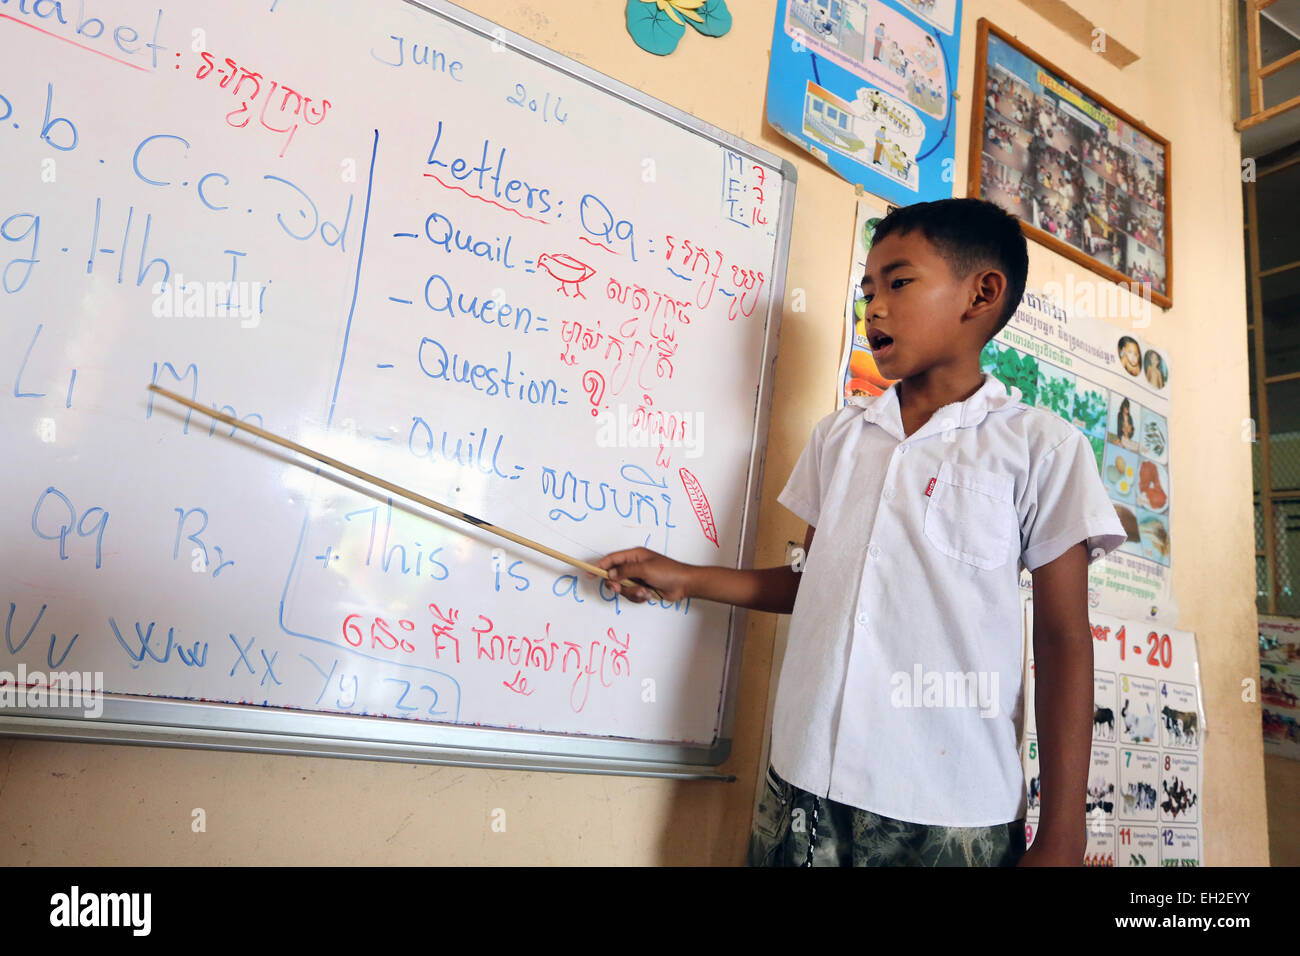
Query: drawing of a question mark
[[593, 383]]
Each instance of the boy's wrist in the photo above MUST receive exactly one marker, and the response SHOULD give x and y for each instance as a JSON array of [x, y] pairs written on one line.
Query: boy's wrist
[[712, 583], [701, 582], [1063, 831], [689, 588], [1075, 848]]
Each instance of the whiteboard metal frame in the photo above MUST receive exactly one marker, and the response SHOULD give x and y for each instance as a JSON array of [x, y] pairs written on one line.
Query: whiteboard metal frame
[[170, 722]]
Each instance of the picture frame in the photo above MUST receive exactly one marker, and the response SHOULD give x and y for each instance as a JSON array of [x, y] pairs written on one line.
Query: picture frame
[[1084, 177]]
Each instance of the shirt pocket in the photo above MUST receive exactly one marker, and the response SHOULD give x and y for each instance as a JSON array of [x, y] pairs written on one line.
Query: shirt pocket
[[971, 515]]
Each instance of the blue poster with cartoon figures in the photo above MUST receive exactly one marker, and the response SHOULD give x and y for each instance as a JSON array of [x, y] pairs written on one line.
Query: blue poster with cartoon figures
[[867, 87]]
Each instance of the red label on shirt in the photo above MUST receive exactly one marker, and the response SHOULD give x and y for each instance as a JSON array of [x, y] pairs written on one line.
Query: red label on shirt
[[930, 487]]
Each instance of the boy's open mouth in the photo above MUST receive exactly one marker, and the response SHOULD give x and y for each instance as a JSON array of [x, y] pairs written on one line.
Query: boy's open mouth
[[879, 341]]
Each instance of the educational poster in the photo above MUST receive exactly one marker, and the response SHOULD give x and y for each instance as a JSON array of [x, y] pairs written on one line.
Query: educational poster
[[1148, 745], [858, 372], [867, 86], [1114, 386], [1279, 677]]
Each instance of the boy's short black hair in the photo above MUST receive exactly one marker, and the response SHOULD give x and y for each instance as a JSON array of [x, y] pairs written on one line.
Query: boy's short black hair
[[969, 234]]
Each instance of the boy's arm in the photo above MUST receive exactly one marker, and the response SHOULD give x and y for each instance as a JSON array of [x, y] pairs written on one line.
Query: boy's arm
[[1063, 705], [760, 589]]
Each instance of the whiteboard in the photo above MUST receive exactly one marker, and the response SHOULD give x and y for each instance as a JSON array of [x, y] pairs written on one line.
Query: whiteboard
[[400, 235]]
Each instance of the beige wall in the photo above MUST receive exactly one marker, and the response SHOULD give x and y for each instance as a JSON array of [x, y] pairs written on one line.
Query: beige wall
[[1283, 777], [71, 803]]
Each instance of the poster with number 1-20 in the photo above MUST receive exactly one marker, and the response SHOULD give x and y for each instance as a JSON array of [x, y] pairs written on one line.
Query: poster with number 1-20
[[1143, 800]]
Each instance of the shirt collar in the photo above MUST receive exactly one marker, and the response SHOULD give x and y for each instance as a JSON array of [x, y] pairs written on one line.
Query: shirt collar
[[990, 396]]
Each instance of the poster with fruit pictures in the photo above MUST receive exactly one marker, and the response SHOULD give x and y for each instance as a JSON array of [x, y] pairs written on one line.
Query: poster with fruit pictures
[[1143, 800], [1113, 385], [1279, 685]]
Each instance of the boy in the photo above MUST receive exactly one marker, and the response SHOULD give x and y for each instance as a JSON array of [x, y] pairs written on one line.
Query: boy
[[897, 713]]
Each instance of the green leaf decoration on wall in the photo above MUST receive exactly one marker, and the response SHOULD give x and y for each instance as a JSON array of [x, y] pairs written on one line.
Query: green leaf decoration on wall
[[658, 25]]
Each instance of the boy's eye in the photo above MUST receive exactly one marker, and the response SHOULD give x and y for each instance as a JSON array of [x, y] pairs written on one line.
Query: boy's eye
[[894, 284]]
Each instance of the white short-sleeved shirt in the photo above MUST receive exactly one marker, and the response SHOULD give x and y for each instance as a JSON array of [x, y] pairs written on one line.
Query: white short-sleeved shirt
[[900, 688]]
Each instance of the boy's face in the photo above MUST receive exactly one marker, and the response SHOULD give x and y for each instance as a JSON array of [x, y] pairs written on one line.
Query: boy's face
[[914, 299]]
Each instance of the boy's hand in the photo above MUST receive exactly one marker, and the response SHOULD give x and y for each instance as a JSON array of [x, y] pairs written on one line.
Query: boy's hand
[[669, 577], [1067, 853]]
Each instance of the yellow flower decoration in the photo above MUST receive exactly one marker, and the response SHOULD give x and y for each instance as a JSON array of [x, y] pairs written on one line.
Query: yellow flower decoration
[[686, 8], [657, 25]]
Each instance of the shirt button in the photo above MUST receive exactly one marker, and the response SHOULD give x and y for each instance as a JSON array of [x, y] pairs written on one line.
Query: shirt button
[[889, 494], [874, 550], [902, 449], [862, 618]]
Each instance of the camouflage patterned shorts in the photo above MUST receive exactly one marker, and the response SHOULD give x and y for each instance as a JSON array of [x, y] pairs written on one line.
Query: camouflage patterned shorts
[[791, 820]]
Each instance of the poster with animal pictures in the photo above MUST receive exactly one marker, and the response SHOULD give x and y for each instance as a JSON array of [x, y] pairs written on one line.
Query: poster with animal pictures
[[858, 372], [1113, 385], [1279, 680], [1148, 743], [867, 86]]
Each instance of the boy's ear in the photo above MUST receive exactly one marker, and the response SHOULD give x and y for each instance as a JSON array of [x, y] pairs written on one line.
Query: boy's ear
[[990, 285]]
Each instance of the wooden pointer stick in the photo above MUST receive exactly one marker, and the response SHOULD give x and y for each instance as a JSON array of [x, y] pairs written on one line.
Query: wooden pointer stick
[[398, 490]]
